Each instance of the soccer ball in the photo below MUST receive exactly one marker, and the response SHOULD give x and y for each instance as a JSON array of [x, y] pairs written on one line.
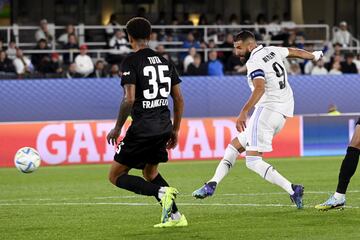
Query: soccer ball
[[27, 159]]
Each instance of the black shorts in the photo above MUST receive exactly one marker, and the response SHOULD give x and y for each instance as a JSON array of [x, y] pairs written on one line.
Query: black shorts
[[136, 152], [358, 122]]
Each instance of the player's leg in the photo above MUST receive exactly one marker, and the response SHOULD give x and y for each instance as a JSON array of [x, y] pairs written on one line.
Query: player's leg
[[231, 153], [347, 170], [151, 174], [261, 130], [119, 176]]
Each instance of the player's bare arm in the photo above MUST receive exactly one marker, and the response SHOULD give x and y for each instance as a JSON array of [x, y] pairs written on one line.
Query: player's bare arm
[[178, 111], [300, 53], [259, 90], [124, 112]]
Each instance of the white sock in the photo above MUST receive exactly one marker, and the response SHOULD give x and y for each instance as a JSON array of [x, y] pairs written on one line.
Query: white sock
[[176, 216], [161, 192], [265, 170], [339, 196], [229, 160]]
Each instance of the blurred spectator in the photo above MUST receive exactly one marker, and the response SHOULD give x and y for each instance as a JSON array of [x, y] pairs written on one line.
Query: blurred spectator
[[308, 65], [348, 66], [333, 111], [335, 69], [160, 49], [196, 68], [6, 64], [2, 45], [186, 20], [43, 32], [114, 71], [161, 21], [319, 68], [294, 68], [99, 69], [189, 43], [189, 58], [233, 19], [22, 64], [246, 19], [229, 43], [71, 72], [342, 35], [215, 67], [111, 27], [153, 43], [203, 20], [260, 32], [357, 62], [173, 32], [119, 46], [287, 24], [274, 27], [53, 66], [64, 38], [40, 58], [11, 50], [84, 64], [71, 45], [217, 33], [234, 64], [335, 58], [141, 12]]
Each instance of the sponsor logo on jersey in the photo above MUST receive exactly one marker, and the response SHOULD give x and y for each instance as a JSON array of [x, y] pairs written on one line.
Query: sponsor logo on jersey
[[126, 73]]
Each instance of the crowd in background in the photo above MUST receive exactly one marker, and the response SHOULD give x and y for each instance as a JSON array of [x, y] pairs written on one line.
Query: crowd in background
[[81, 63]]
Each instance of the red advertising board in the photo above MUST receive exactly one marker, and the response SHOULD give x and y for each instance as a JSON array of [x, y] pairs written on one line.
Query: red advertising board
[[84, 142]]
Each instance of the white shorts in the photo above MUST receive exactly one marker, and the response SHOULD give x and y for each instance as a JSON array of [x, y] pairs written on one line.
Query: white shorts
[[263, 125]]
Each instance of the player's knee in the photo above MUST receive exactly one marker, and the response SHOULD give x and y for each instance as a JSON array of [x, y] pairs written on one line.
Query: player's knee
[[149, 174], [112, 178], [251, 162]]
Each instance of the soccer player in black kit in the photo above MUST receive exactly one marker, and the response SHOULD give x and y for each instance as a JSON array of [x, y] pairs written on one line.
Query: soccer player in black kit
[[147, 79], [347, 170]]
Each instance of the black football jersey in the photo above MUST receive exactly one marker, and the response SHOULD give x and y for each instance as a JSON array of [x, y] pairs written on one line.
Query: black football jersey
[[153, 77]]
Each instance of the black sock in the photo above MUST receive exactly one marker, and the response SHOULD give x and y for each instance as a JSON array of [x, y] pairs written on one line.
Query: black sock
[[160, 181], [137, 185], [348, 168]]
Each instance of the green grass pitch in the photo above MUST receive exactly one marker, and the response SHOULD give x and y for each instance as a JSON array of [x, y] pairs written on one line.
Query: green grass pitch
[[78, 202]]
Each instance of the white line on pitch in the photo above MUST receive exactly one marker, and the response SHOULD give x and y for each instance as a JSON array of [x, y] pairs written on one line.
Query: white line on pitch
[[181, 195], [153, 204]]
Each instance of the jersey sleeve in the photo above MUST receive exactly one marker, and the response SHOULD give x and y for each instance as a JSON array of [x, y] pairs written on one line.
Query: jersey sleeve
[[255, 70], [174, 75], [128, 72], [283, 52]]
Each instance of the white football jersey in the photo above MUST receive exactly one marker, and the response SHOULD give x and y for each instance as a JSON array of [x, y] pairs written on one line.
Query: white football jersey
[[267, 63]]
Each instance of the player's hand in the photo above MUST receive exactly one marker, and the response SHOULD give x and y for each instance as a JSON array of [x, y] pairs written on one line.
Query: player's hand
[[241, 121], [317, 55], [113, 136], [173, 140]]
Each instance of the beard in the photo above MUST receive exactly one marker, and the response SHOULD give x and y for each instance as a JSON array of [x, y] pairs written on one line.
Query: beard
[[245, 58], [247, 55]]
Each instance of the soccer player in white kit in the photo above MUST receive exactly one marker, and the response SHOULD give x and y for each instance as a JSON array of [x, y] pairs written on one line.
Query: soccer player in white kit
[[273, 100]]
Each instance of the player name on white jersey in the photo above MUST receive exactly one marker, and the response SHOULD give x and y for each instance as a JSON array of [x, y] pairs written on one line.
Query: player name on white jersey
[[155, 103], [269, 57]]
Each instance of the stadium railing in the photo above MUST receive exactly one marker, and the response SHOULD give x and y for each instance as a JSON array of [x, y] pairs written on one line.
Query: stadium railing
[[93, 36]]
